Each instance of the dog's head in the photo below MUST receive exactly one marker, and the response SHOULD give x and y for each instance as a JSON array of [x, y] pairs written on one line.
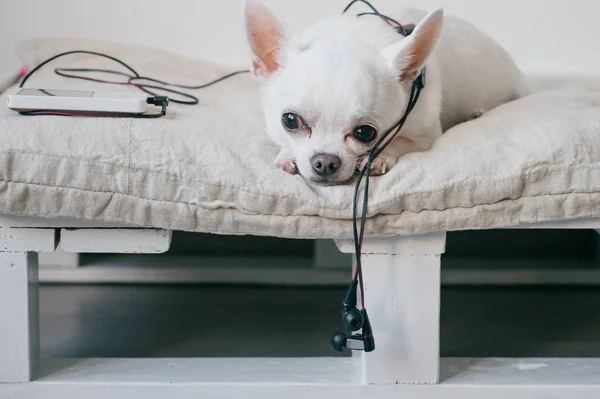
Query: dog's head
[[330, 98]]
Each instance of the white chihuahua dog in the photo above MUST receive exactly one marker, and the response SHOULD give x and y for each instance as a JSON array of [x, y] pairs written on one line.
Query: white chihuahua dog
[[330, 92]]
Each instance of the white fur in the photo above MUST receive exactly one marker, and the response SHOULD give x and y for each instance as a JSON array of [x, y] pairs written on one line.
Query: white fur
[[345, 71]]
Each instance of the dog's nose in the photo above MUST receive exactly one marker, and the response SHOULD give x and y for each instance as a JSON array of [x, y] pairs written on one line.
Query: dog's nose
[[326, 164]]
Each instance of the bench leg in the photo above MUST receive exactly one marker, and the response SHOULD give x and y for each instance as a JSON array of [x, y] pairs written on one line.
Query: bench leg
[[19, 333], [402, 296]]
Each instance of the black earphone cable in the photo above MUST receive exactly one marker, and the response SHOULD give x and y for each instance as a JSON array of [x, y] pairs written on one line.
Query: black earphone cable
[[132, 80], [399, 27], [157, 84], [366, 172], [380, 145], [34, 70]]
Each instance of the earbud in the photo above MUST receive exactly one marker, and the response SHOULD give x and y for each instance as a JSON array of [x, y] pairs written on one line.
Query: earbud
[[360, 342], [351, 317], [353, 320], [338, 341]]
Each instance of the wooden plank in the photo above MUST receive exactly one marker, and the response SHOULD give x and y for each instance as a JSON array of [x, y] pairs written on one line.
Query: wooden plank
[[19, 334], [402, 295], [27, 240], [402, 288], [258, 391], [27, 221], [220, 371], [425, 244], [311, 371], [521, 371], [115, 240], [326, 378]]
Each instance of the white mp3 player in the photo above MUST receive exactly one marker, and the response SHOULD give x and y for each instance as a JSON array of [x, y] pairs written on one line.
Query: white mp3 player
[[27, 100]]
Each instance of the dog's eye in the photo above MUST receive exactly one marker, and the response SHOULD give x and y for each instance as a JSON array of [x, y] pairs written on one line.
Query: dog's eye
[[291, 121], [365, 133]]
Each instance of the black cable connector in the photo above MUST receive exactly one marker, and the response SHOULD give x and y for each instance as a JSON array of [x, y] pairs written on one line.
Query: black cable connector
[[161, 101], [158, 100]]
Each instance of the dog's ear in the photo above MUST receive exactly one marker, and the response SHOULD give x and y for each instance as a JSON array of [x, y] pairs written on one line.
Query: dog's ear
[[410, 55], [266, 37]]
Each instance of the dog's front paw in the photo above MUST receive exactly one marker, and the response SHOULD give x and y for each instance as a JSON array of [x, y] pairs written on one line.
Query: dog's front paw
[[285, 162], [288, 166], [380, 165]]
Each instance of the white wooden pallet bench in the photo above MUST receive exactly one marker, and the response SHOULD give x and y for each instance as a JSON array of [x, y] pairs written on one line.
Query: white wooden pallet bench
[[402, 278]]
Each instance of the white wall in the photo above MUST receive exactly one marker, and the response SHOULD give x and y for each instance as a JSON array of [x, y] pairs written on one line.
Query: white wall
[[547, 37]]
